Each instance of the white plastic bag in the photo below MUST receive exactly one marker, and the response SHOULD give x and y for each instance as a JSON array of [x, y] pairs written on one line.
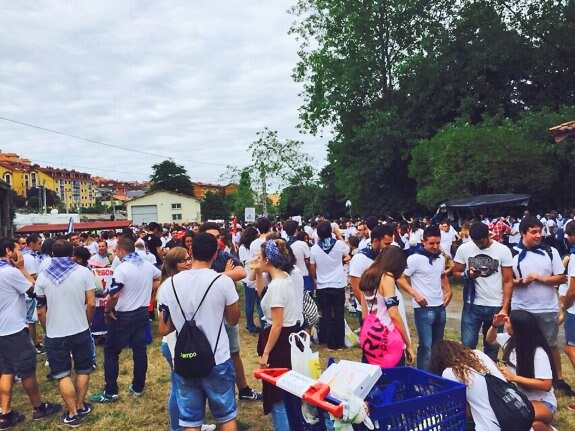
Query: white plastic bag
[[351, 339], [303, 360]]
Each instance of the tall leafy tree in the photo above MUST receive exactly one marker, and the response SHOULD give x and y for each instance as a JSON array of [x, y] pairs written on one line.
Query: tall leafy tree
[[213, 207], [244, 197], [170, 176]]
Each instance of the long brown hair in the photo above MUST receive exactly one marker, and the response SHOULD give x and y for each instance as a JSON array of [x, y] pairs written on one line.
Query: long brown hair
[[171, 260], [392, 260], [462, 360]]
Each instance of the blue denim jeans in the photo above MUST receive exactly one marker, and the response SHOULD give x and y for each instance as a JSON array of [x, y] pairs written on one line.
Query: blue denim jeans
[[173, 410], [252, 298], [60, 352], [130, 326], [279, 417], [430, 324], [474, 318]]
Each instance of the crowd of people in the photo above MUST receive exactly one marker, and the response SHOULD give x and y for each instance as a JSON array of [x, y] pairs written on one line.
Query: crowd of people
[[510, 268]]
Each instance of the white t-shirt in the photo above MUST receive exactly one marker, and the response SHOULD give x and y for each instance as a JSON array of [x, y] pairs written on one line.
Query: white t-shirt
[[190, 286], [30, 263], [426, 278], [44, 264], [329, 267], [477, 395], [137, 281], [146, 256], [245, 256], [447, 239], [542, 370], [537, 297], [298, 284], [97, 258], [514, 238], [256, 247], [13, 287], [281, 293], [415, 237], [66, 302], [301, 252], [363, 243], [570, 273], [489, 286]]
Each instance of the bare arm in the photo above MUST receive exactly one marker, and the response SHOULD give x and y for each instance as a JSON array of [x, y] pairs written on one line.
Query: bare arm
[[404, 285], [232, 314], [42, 314], [507, 275], [313, 274], [275, 331], [447, 292], [90, 305], [236, 273], [165, 328]]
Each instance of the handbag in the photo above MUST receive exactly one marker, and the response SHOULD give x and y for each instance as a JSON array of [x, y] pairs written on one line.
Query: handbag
[[310, 310]]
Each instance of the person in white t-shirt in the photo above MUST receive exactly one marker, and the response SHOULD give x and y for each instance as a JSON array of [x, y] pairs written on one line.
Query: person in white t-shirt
[[66, 305], [300, 250], [485, 266], [281, 313], [456, 362], [127, 315], [426, 269], [569, 299], [527, 362], [252, 299], [220, 305], [537, 270], [448, 236], [328, 277]]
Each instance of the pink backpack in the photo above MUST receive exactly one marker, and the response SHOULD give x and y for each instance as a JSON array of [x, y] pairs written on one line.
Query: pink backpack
[[381, 345]]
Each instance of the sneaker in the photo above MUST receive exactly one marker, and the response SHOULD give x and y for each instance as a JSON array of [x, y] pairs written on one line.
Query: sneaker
[[133, 392], [71, 421], [86, 410], [45, 410], [249, 394], [208, 427], [563, 387], [11, 419], [103, 397], [40, 349], [254, 330]]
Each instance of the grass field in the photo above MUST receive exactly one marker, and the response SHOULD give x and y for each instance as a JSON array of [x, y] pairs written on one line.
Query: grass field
[[149, 412]]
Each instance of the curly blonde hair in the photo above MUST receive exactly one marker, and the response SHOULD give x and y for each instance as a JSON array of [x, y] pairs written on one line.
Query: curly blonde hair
[[462, 360]]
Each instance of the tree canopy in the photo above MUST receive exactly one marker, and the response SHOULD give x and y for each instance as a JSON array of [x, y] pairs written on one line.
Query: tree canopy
[[172, 177]]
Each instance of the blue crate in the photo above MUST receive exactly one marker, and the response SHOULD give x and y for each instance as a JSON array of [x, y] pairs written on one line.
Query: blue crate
[[404, 399]]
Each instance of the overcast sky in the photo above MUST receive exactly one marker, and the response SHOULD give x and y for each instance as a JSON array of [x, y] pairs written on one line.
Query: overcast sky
[[189, 80]]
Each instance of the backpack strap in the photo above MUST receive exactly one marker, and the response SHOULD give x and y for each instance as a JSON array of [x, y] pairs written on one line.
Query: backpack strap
[[201, 302]]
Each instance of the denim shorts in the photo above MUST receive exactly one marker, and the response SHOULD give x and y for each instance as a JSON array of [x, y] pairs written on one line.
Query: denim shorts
[[233, 336], [218, 388], [550, 407], [549, 326], [58, 351], [31, 312], [569, 329]]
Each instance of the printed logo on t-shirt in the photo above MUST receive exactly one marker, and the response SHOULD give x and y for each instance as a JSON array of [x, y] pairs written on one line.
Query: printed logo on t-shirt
[[485, 264]]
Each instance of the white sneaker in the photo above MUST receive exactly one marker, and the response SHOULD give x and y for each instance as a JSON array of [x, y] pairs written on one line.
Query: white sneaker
[[208, 427]]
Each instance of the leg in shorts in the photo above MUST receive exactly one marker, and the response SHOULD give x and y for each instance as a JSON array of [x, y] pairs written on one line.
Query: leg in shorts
[[17, 354], [234, 337], [58, 351], [218, 388]]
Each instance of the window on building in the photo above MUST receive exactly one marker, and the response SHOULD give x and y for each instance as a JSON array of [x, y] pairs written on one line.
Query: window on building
[[8, 178], [176, 206], [176, 216]]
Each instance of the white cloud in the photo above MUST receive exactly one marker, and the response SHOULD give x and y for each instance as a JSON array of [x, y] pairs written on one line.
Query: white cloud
[[189, 80]]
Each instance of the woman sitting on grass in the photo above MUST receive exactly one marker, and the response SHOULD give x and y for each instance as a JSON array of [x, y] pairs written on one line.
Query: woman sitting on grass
[[528, 362]]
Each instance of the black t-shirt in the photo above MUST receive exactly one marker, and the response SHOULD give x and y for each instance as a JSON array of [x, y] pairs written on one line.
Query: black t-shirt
[[153, 242]]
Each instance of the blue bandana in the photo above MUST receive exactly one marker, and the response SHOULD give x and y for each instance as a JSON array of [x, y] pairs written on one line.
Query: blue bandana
[[326, 244], [273, 253], [523, 253], [369, 251], [291, 240], [420, 249], [4, 262], [60, 268], [28, 250], [134, 258], [43, 256]]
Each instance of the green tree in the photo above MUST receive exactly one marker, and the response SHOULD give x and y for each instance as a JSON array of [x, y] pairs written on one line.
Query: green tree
[[213, 207], [470, 160], [172, 177], [244, 197]]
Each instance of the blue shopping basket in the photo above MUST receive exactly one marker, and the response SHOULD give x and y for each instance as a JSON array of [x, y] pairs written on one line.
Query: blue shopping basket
[[403, 399]]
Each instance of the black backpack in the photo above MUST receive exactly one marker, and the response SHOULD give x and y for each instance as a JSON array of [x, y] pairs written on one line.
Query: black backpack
[[512, 408], [193, 356]]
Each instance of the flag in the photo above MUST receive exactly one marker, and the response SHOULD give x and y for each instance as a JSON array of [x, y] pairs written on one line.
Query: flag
[[70, 226]]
